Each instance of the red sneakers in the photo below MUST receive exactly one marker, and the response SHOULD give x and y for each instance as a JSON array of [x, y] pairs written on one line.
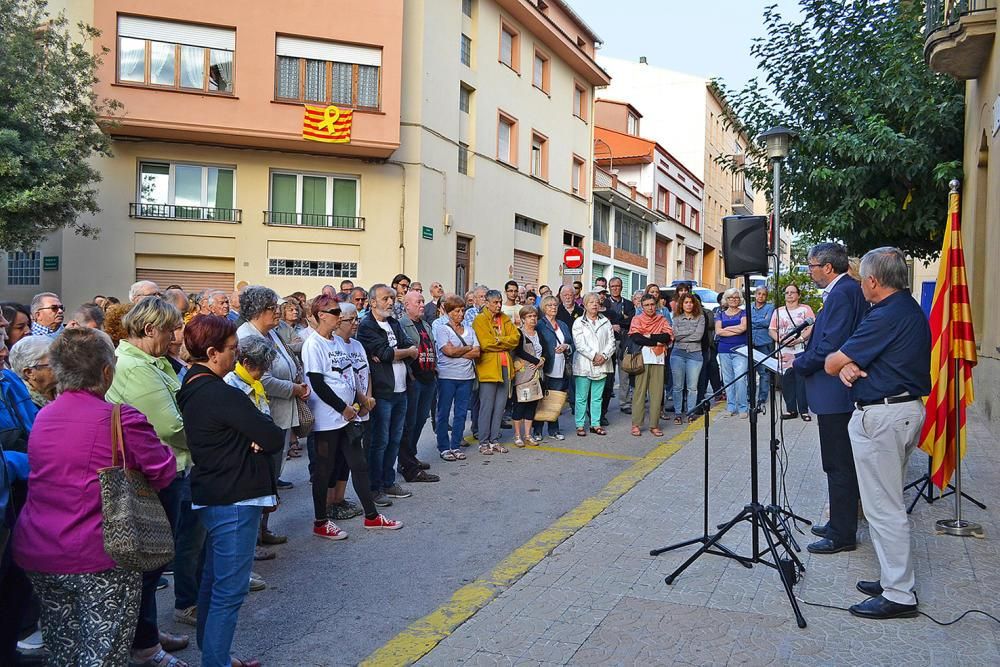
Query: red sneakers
[[329, 530], [382, 523]]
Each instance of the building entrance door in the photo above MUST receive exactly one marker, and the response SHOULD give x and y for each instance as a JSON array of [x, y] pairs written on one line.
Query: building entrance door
[[463, 264]]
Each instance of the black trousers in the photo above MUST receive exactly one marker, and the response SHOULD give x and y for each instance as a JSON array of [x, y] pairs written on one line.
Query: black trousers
[[349, 441], [147, 632], [16, 602], [709, 372], [841, 479]]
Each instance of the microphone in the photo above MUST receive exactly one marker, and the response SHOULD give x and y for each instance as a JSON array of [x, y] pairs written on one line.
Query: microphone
[[806, 323]]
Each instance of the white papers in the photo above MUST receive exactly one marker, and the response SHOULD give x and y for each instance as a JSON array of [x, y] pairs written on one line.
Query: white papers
[[770, 364]]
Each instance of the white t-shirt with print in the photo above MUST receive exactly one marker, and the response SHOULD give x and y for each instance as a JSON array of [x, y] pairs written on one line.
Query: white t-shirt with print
[[359, 360], [331, 359], [398, 367]]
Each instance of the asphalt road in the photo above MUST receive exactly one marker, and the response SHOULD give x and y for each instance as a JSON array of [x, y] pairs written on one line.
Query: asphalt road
[[333, 603]]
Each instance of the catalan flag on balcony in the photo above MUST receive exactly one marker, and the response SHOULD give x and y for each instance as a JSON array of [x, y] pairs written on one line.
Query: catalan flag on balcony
[[331, 125], [952, 340]]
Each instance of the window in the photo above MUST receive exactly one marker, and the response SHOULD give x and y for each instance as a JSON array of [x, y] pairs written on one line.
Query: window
[[577, 177], [507, 139], [678, 209], [186, 192], [694, 220], [633, 125], [309, 267], [464, 98], [661, 200], [539, 156], [579, 101], [312, 200], [24, 267], [467, 8], [630, 234], [540, 72], [572, 240], [328, 73], [466, 50], [602, 222], [463, 158], [509, 47], [638, 281], [182, 56], [528, 225]]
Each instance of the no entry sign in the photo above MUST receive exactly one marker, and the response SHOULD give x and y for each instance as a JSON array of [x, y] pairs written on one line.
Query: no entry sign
[[573, 258]]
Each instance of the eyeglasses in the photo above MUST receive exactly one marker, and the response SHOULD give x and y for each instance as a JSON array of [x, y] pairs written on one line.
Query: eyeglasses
[[349, 319], [418, 289], [405, 286], [54, 309], [39, 366], [332, 311], [816, 266]]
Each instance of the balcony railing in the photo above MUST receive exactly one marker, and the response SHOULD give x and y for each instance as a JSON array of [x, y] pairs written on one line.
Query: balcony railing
[[283, 219], [176, 212], [958, 36], [941, 13]]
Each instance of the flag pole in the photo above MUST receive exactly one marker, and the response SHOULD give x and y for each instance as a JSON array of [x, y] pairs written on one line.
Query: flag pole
[[958, 526]]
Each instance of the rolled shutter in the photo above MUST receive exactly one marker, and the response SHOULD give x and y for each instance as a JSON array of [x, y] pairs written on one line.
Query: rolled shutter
[[191, 281], [526, 267], [297, 47], [177, 33]]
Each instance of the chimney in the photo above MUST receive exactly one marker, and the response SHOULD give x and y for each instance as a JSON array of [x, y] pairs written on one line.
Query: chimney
[[643, 61]]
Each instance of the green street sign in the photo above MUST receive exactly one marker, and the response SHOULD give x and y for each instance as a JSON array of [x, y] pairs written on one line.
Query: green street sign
[[427, 233], [50, 263]]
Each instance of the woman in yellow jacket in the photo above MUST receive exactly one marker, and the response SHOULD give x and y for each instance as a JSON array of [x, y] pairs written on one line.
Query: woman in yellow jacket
[[498, 337]]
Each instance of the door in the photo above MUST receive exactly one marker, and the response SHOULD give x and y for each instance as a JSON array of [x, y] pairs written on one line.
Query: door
[[463, 264], [526, 268], [660, 261], [190, 281]]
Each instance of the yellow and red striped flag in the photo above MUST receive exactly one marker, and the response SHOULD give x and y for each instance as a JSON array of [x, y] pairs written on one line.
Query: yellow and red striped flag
[[331, 125], [952, 339]]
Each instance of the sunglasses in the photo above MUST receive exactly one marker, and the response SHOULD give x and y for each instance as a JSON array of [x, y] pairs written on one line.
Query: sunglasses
[[54, 309], [332, 311]]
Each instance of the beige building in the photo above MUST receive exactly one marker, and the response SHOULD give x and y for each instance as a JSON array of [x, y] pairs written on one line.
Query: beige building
[[468, 157], [684, 113], [960, 41]]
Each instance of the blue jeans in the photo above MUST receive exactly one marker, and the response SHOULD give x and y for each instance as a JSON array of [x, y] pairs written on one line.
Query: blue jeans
[[388, 420], [457, 393], [733, 364], [232, 536], [685, 368], [189, 543], [418, 409], [591, 391], [763, 376]]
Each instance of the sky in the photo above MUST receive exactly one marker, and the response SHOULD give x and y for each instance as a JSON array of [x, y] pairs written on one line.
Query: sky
[[702, 37]]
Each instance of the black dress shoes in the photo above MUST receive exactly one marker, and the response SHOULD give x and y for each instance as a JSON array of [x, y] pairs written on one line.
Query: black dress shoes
[[870, 588], [880, 608], [826, 546], [818, 530]]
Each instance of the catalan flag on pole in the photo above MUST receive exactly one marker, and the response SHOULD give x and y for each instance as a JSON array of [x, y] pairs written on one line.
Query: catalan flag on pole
[[331, 125], [952, 341]]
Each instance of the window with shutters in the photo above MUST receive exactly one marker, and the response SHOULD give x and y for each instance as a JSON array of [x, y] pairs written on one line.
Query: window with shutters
[[510, 44], [540, 72], [312, 71], [173, 55], [579, 101], [578, 175], [314, 200], [507, 139], [539, 156]]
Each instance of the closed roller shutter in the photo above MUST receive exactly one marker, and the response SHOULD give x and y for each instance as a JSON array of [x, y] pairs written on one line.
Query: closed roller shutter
[[526, 267], [177, 33], [191, 281]]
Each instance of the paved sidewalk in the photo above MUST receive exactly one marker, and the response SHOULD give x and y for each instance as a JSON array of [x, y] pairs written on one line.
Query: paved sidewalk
[[599, 597]]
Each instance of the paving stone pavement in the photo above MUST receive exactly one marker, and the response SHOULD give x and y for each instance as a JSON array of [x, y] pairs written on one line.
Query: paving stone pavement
[[600, 598]]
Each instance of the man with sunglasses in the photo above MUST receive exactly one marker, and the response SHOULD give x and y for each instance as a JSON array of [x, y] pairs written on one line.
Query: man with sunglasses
[[47, 314]]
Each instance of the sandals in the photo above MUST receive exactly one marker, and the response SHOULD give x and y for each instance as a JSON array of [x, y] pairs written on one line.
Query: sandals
[[657, 432], [678, 420], [159, 659], [598, 430], [582, 432], [692, 419], [636, 431], [448, 455], [500, 449], [459, 454], [519, 443], [486, 449]]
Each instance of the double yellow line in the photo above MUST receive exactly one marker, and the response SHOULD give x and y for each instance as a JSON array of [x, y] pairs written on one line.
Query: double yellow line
[[424, 634]]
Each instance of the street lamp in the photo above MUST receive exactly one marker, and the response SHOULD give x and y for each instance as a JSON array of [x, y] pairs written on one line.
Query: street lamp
[[777, 141]]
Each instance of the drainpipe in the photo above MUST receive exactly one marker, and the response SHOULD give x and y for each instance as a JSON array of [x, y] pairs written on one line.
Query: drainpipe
[[402, 206]]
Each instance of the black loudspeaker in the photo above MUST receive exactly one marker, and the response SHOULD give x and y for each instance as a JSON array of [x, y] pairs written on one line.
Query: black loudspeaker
[[744, 245]]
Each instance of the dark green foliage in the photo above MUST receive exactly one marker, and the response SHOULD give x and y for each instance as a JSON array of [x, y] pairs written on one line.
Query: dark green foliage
[[880, 134]]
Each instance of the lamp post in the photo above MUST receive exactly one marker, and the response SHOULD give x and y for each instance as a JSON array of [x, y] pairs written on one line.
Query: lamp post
[[777, 141]]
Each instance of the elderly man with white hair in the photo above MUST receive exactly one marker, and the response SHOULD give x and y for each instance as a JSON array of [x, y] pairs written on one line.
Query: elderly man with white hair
[[47, 314], [141, 289], [214, 302]]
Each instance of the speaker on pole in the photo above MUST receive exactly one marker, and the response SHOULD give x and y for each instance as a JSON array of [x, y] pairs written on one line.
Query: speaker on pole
[[744, 245]]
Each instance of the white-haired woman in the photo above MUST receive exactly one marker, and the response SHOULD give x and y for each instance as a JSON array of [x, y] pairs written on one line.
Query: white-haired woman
[[29, 359], [145, 380], [595, 343], [731, 327]]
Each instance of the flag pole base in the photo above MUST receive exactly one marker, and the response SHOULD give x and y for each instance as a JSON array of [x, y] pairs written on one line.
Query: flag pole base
[[959, 528]]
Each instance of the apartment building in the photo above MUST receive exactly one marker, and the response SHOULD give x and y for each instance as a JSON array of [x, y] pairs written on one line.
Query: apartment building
[[214, 179], [662, 244], [684, 113], [496, 139]]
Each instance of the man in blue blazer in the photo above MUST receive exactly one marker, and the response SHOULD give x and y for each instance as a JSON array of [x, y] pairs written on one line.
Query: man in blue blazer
[[844, 307]]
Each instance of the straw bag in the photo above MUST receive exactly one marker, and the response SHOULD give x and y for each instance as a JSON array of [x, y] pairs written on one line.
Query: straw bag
[[137, 534], [551, 406]]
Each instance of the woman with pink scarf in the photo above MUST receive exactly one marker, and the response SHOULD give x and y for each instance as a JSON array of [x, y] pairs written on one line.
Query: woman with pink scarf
[[651, 333]]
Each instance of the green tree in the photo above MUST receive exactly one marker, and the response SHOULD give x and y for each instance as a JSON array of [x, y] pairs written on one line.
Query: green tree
[[48, 124], [880, 134]]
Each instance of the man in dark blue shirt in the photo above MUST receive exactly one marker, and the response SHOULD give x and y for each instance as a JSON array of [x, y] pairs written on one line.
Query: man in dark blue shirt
[[886, 362]]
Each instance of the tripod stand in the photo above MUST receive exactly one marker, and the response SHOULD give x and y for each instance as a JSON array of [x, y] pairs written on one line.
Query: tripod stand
[[926, 491], [761, 519]]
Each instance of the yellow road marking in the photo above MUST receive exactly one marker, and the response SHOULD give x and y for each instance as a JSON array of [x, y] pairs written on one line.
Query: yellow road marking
[[424, 634]]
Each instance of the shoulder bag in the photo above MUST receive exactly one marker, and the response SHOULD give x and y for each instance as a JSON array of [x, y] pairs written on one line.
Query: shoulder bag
[[632, 362], [306, 418], [137, 534]]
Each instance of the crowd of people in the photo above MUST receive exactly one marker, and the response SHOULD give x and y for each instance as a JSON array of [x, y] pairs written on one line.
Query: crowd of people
[[218, 390]]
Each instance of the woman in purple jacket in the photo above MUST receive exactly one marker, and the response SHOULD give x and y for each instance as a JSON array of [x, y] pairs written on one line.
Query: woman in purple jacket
[[89, 604]]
